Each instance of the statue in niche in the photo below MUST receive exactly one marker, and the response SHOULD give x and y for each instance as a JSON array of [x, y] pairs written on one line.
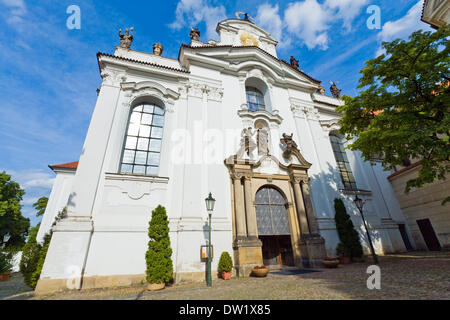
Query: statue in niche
[[335, 90], [294, 63], [248, 144], [126, 39], [194, 34], [263, 142], [290, 145]]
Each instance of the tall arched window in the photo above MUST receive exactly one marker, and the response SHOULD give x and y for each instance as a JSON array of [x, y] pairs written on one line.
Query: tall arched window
[[342, 161], [255, 99], [141, 154]]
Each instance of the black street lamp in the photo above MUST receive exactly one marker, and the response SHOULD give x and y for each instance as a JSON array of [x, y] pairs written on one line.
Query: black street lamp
[[210, 202], [359, 204]]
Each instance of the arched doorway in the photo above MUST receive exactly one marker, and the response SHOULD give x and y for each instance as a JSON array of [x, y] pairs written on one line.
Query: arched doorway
[[273, 227]]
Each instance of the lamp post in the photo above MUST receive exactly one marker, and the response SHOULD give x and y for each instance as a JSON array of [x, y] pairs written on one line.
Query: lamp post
[[359, 204], [210, 202], [6, 238]]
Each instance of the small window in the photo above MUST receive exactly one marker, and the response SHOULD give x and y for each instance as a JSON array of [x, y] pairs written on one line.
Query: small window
[[343, 164], [142, 148], [255, 99]]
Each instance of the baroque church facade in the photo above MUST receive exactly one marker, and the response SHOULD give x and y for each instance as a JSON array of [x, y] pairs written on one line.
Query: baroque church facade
[[226, 117]]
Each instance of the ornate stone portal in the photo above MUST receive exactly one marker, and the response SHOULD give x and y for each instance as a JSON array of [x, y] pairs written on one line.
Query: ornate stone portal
[[307, 245]]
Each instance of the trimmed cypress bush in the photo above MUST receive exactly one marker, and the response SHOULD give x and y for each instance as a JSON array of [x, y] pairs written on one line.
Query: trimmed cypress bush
[[30, 257], [225, 263], [159, 254], [350, 244]]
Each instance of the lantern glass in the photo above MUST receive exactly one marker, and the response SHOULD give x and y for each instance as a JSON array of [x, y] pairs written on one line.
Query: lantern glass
[[359, 203], [210, 202], [6, 237]]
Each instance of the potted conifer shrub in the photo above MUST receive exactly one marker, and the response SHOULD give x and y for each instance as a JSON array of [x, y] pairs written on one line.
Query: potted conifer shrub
[[5, 267], [350, 245], [343, 253], [225, 266], [159, 253]]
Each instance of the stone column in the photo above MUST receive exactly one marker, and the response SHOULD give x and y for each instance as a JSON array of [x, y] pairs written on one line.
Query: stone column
[[301, 211], [241, 228], [252, 225], [309, 207]]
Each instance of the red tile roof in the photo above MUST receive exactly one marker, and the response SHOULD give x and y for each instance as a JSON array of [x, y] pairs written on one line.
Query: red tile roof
[[70, 165], [100, 54], [415, 164]]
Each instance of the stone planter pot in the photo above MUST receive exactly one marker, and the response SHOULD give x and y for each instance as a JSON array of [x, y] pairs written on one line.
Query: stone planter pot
[[4, 276], [260, 272], [226, 275], [344, 260], [330, 263], [156, 286]]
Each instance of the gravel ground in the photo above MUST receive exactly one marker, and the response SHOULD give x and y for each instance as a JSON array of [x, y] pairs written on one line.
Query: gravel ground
[[418, 275], [13, 286]]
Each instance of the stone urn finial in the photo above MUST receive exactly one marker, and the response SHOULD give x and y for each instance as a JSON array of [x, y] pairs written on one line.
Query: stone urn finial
[[127, 38], [194, 34], [157, 49], [321, 90]]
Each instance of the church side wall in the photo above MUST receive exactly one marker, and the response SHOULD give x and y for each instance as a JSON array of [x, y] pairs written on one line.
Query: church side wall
[[57, 201]]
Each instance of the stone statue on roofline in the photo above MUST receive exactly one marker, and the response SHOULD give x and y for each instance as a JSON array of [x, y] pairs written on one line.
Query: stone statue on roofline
[[194, 34], [335, 91], [126, 39], [294, 63]]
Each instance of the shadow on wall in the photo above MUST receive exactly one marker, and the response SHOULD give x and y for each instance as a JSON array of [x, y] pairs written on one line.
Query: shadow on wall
[[325, 187]]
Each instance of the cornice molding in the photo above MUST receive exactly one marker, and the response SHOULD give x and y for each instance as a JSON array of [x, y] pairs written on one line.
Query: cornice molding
[[141, 90], [261, 114]]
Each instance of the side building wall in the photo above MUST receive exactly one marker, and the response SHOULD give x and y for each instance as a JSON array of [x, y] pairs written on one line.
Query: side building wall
[[424, 203]]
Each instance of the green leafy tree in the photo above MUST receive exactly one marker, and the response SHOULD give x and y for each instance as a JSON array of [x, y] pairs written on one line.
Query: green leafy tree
[[350, 244], [402, 111], [40, 206], [11, 219], [159, 254]]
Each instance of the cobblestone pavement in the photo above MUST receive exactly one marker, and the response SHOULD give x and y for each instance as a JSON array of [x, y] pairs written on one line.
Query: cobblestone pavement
[[418, 275], [13, 286]]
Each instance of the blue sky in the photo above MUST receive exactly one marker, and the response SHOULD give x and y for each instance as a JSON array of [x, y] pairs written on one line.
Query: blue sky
[[49, 74]]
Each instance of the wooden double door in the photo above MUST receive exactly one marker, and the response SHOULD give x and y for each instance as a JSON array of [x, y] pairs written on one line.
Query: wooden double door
[[277, 250]]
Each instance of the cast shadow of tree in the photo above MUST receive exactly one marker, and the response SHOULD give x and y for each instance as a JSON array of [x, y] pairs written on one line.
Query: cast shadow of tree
[[325, 187]]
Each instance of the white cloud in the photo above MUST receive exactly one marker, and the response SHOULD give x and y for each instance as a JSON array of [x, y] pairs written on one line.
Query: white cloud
[[347, 10], [404, 26], [16, 12], [192, 12], [308, 21], [32, 178], [268, 18]]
